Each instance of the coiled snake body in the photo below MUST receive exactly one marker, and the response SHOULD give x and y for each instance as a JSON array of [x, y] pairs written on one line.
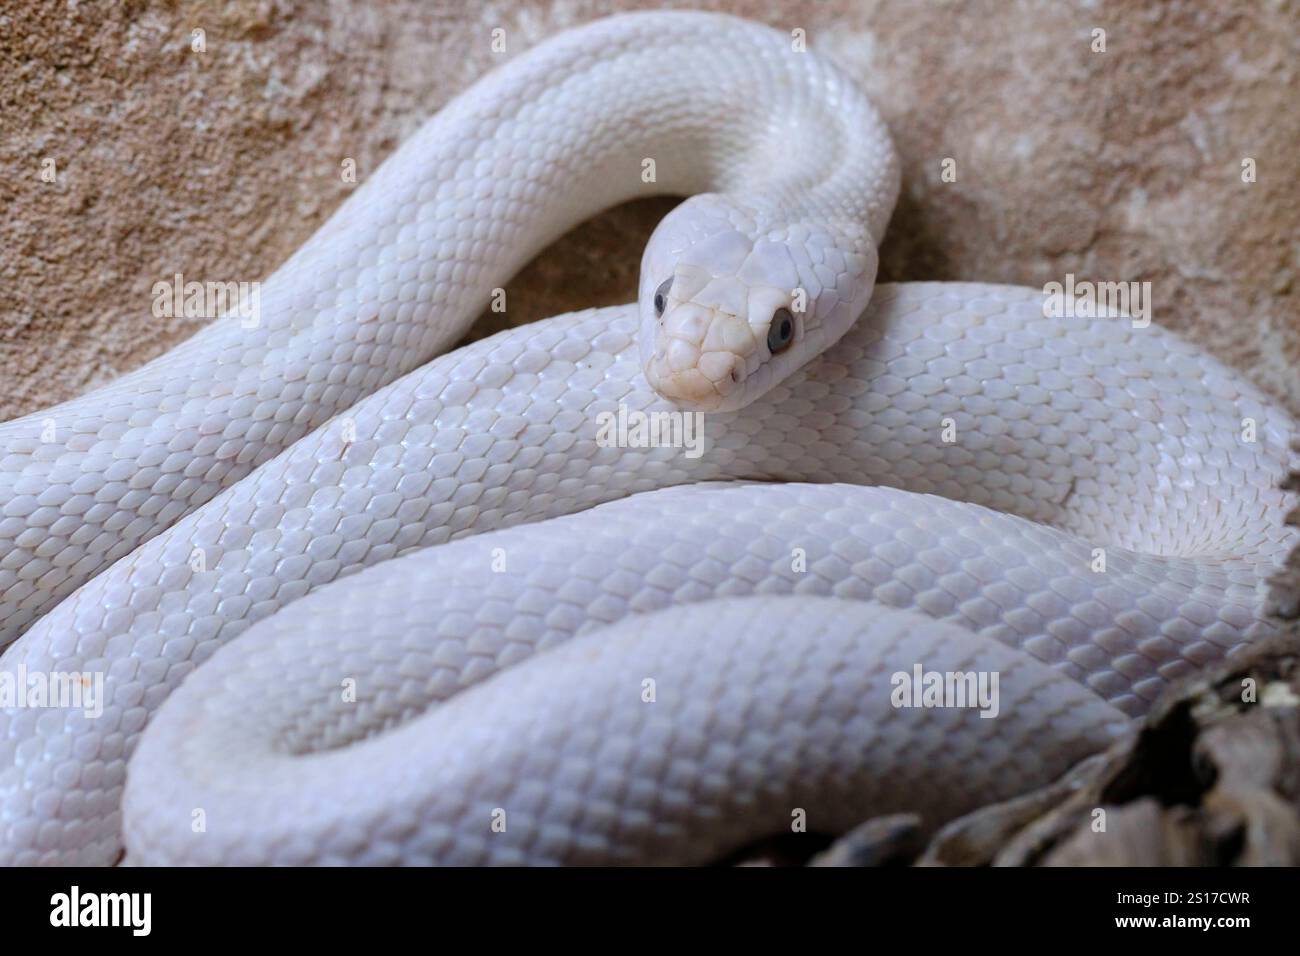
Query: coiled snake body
[[1066, 502]]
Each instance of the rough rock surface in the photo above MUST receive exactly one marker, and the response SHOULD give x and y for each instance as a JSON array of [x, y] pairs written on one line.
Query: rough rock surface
[[1123, 165]]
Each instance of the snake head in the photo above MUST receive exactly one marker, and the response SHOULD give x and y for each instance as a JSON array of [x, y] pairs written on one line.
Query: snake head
[[731, 306], [711, 333]]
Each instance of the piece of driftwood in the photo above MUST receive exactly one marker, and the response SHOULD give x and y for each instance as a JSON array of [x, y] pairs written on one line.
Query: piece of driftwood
[[1284, 589], [881, 841]]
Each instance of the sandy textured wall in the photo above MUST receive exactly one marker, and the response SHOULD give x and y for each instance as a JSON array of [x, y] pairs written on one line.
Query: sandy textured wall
[[1117, 166]]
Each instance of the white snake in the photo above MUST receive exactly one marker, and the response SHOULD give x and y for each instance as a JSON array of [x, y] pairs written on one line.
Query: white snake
[[1004, 449]]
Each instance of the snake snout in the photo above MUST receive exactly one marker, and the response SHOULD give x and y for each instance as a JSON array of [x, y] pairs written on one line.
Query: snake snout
[[699, 359], [706, 383]]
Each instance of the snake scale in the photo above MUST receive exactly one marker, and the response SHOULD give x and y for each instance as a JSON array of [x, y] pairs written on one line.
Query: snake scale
[[353, 605]]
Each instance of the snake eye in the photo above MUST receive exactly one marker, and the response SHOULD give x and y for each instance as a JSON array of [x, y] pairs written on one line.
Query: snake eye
[[781, 332], [661, 296]]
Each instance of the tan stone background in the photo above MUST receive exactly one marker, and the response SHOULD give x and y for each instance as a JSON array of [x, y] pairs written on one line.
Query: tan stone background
[[1116, 166]]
